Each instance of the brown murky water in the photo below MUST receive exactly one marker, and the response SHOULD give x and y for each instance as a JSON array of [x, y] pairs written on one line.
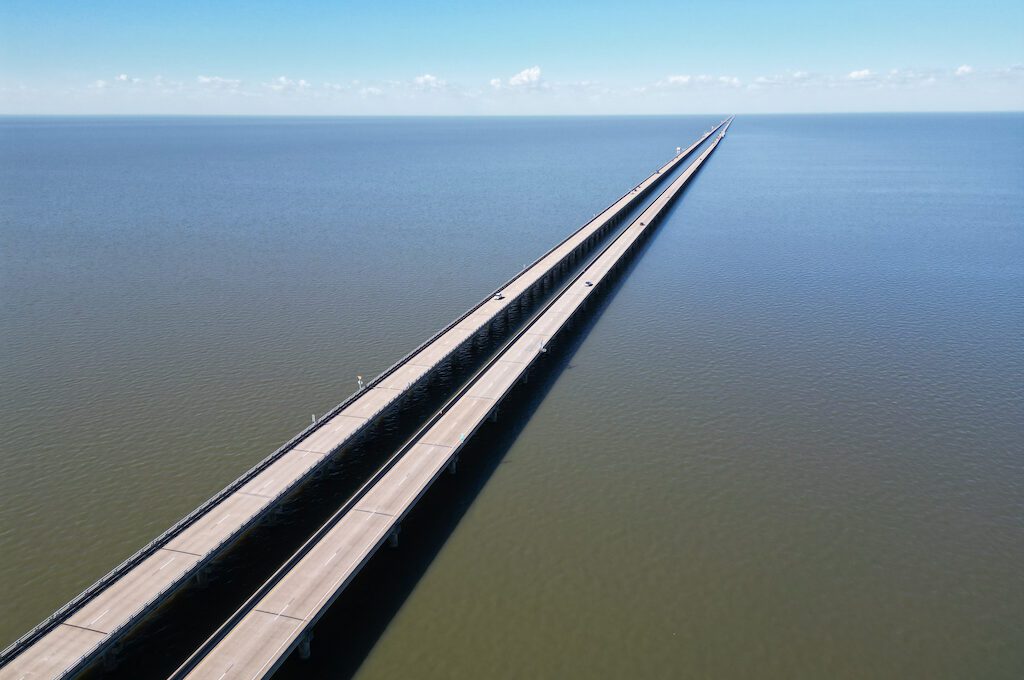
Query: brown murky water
[[790, 446]]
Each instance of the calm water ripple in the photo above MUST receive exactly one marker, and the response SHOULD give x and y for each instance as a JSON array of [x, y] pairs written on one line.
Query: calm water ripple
[[791, 445]]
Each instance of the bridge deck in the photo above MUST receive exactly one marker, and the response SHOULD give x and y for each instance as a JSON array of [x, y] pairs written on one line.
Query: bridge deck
[[254, 642], [118, 601]]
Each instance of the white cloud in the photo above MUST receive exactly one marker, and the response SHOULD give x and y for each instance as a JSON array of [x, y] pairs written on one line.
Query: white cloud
[[165, 86], [893, 79], [120, 80], [1012, 71], [529, 77], [528, 91], [219, 83], [429, 82], [1009, 74], [686, 80], [907, 78], [285, 84], [800, 79]]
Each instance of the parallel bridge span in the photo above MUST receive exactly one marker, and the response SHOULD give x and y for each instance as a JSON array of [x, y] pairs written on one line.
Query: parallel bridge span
[[92, 624], [279, 617]]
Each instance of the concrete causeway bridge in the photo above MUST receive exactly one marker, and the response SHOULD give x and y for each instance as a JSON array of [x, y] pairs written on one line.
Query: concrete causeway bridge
[[523, 317]]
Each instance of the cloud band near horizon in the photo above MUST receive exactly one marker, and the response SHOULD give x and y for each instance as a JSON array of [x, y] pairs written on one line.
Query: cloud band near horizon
[[530, 91]]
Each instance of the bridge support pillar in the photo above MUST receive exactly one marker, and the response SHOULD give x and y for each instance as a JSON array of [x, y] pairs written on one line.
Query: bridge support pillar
[[203, 577], [494, 415], [276, 516], [304, 651], [453, 464], [393, 536], [112, 657]]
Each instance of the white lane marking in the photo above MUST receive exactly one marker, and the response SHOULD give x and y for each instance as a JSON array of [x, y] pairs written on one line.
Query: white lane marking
[[281, 613]]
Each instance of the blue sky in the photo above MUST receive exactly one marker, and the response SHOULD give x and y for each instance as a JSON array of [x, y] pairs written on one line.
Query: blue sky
[[516, 58]]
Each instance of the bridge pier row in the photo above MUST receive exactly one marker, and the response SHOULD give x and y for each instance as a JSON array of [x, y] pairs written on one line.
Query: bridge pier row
[[521, 303], [202, 577], [452, 361], [475, 345], [274, 517], [303, 648]]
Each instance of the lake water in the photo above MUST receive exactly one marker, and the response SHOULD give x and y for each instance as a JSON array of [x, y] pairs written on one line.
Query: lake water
[[791, 444]]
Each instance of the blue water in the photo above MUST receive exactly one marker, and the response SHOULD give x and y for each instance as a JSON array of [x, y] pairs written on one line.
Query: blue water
[[790, 446]]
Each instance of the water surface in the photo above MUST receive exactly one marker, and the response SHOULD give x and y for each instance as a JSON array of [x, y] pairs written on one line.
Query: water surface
[[790, 446]]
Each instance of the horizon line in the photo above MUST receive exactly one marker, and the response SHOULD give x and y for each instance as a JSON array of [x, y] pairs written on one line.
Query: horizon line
[[507, 115]]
